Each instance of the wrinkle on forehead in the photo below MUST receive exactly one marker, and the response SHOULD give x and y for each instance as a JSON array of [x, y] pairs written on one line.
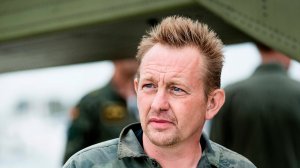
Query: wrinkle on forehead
[[174, 62], [170, 71], [163, 67], [166, 76]]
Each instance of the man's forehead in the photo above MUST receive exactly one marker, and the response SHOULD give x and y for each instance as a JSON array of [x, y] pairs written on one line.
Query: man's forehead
[[170, 75], [162, 67], [154, 74], [169, 52], [164, 59]]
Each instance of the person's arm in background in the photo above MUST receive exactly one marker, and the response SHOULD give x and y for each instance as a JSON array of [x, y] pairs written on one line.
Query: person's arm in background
[[80, 129]]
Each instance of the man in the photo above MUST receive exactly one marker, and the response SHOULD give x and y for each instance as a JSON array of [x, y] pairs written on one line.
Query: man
[[102, 114], [178, 88], [261, 115]]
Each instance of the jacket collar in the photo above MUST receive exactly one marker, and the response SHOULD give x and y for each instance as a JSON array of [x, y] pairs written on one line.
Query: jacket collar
[[269, 68], [130, 146], [210, 153]]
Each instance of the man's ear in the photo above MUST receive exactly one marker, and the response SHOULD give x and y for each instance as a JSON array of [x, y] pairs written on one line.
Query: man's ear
[[136, 84], [215, 101]]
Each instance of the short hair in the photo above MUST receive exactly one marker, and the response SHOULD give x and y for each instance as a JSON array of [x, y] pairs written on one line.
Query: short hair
[[178, 31]]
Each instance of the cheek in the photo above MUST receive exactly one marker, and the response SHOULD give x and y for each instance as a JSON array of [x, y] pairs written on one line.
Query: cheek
[[189, 112], [143, 103]]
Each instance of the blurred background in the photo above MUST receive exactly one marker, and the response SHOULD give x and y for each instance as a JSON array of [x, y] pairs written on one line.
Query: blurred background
[[54, 52]]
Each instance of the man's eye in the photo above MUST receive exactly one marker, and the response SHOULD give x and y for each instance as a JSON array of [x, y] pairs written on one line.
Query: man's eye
[[148, 86], [177, 91]]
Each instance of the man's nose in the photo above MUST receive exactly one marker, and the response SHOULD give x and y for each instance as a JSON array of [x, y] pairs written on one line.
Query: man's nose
[[160, 101]]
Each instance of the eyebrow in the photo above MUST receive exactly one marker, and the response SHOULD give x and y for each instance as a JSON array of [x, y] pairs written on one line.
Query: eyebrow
[[147, 77], [174, 81]]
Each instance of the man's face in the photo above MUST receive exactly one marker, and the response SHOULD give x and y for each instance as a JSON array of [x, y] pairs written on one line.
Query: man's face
[[170, 95]]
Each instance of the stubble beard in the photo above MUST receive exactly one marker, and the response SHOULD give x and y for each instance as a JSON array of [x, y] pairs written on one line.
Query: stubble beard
[[164, 138]]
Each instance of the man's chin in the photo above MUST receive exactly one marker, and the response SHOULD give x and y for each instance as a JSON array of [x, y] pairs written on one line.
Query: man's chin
[[161, 138]]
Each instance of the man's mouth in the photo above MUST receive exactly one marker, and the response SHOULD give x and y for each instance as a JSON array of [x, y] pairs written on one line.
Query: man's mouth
[[160, 123], [159, 120]]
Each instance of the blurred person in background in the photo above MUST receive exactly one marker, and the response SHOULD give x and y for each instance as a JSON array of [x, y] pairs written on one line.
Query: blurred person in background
[[101, 114], [261, 115]]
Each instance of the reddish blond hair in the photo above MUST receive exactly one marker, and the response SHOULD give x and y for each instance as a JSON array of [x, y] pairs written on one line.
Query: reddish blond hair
[[176, 31]]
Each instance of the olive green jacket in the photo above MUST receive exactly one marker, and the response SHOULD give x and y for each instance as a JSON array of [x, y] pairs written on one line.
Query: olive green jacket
[[127, 151], [102, 114], [261, 118]]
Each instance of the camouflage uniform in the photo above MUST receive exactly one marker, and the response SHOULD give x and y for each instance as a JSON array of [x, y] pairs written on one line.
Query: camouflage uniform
[[127, 151], [100, 115]]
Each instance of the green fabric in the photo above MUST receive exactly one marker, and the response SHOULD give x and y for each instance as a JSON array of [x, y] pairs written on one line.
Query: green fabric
[[102, 116], [261, 118], [274, 23], [127, 151]]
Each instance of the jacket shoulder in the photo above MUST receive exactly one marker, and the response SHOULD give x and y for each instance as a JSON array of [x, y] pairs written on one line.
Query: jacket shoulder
[[100, 153], [229, 158], [92, 95]]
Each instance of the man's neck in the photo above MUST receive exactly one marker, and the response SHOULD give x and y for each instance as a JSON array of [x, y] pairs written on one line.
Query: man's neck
[[185, 154]]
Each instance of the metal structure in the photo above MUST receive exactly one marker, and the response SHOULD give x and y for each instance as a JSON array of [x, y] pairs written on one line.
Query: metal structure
[[46, 33]]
